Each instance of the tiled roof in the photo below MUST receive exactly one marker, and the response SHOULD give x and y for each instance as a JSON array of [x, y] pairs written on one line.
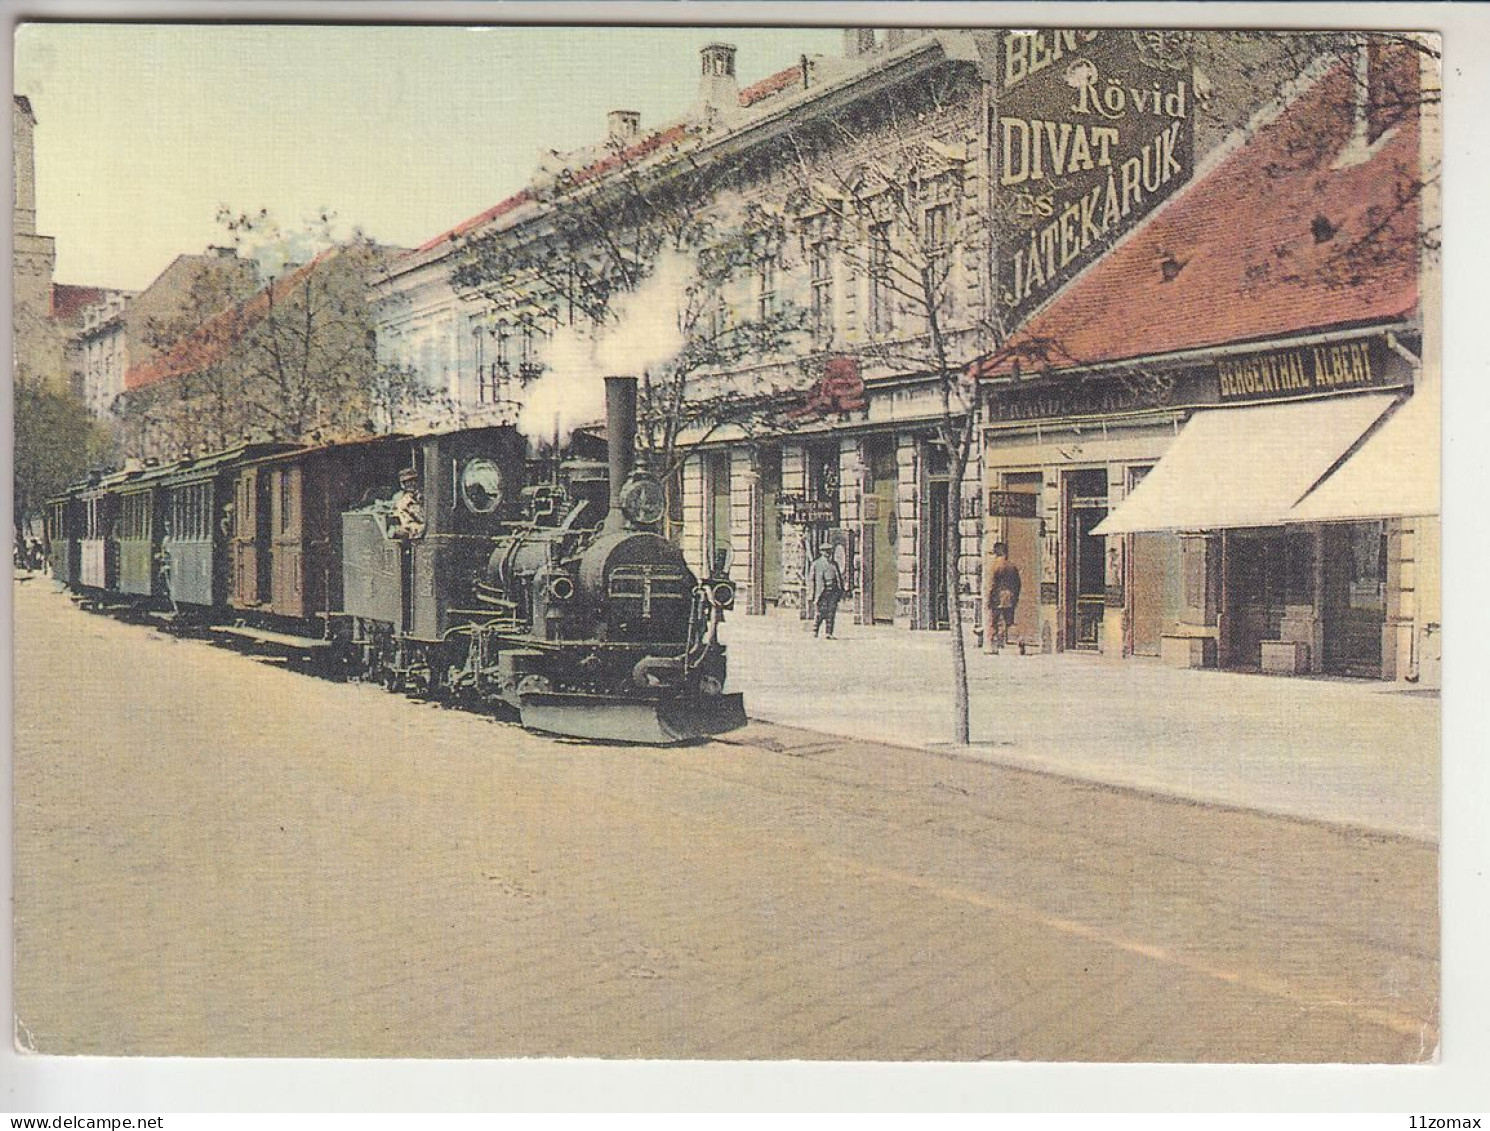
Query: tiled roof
[[756, 92], [643, 148], [1288, 233], [211, 341], [477, 221], [68, 300]]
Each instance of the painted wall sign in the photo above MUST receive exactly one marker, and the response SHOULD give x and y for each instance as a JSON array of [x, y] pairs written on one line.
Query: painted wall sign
[[1298, 371], [799, 509], [1012, 504], [1306, 370], [1092, 130]]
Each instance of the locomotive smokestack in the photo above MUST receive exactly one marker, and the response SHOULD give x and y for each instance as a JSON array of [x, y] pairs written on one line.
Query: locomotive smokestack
[[620, 435]]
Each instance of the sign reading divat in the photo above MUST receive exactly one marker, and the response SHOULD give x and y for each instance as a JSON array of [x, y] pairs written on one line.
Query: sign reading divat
[[1092, 130]]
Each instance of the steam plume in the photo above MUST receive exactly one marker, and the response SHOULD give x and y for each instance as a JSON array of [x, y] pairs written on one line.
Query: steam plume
[[644, 334]]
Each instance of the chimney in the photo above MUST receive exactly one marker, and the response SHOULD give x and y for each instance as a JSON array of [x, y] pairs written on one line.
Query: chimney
[[857, 42], [620, 439], [622, 125], [898, 37], [718, 88], [222, 252]]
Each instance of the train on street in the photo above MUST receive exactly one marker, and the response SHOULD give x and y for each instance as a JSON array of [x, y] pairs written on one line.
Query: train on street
[[457, 565]]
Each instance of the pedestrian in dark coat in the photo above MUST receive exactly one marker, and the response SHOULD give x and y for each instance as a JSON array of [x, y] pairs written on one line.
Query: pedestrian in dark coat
[[825, 586], [1000, 598]]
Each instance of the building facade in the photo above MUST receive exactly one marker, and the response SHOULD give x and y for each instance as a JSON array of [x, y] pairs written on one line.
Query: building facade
[[841, 440], [38, 345], [124, 330], [938, 203], [1160, 441]]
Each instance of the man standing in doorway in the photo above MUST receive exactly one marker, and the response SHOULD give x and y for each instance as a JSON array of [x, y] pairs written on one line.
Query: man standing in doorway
[[1000, 597], [825, 582]]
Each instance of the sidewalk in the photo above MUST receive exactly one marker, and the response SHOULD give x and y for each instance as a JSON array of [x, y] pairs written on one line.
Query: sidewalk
[[1352, 752]]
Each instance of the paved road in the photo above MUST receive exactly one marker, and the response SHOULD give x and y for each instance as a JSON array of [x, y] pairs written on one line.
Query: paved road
[[219, 856]]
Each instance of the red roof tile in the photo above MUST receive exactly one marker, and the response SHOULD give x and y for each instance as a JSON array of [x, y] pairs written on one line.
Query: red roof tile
[[69, 301], [590, 172], [477, 221], [1253, 250], [769, 86], [643, 148], [211, 341]]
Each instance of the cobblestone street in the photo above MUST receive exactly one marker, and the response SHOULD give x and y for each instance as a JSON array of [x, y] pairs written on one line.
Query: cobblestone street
[[215, 855]]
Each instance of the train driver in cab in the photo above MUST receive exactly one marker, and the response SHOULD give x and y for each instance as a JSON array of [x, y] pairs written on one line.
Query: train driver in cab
[[407, 518]]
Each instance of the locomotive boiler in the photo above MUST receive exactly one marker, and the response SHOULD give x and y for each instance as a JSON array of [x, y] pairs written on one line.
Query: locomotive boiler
[[558, 597]]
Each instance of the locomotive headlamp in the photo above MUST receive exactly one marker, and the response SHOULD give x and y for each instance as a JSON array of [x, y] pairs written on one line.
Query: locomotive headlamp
[[481, 485], [722, 594], [561, 587], [642, 500]]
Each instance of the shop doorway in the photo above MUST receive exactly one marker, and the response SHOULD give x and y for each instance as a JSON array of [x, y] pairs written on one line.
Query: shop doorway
[[1354, 597], [1154, 582], [771, 526], [1086, 565], [717, 468], [1022, 536], [936, 552], [1266, 573], [880, 516]]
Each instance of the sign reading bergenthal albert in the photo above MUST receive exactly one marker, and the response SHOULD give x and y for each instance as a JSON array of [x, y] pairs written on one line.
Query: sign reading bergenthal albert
[[1303, 371], [1093, 129]]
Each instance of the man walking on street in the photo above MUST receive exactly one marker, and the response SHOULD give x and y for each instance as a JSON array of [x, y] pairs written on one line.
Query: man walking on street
[[1000, 598], [825, 585]]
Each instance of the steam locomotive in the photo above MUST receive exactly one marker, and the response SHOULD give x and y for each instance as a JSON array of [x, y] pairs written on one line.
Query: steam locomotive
[[490, 576]]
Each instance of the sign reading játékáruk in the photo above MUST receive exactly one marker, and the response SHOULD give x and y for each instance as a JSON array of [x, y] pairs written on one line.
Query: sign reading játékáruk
[[1093, 129]]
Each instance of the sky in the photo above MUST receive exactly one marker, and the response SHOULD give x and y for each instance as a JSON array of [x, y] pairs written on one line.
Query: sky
[[143, 130]]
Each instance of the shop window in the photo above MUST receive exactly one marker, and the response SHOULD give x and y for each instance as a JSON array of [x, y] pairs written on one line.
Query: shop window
[[719, 502], [1297, 579]]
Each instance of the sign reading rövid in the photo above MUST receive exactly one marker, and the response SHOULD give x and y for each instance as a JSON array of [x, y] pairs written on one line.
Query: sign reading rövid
[[1092, 130]]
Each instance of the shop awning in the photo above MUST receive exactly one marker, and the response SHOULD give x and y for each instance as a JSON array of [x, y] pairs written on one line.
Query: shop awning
[[1248, 466], [1394, 473]]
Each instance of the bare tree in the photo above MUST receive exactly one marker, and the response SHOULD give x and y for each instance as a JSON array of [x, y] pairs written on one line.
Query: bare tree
[[896, 200], [296, 361]]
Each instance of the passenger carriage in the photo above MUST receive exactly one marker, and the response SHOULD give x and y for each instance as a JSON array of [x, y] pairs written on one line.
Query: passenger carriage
[[98, 543], [285, 551], [62, 523], [201, 507], [141, 525]]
